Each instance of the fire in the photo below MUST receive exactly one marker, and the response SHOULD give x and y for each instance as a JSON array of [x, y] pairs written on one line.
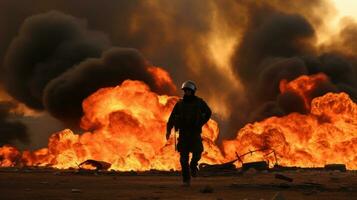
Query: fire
[[8, 156], [326, 135], [303, 86], [125, 126], [162, 78]]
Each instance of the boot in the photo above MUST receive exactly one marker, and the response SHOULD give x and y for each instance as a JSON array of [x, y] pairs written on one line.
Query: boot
[[194, 171]]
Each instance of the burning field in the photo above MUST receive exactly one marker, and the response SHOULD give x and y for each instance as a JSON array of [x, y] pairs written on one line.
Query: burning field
[[90, 86], [124, 126]]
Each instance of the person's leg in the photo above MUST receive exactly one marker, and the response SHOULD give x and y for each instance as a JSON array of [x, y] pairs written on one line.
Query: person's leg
[[196, 156], [184, 157]]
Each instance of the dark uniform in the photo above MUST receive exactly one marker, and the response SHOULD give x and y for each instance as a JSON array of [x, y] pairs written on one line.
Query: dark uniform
[[188, 116]]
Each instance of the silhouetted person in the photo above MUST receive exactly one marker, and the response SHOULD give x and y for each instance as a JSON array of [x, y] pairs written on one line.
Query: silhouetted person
[[188, 116]]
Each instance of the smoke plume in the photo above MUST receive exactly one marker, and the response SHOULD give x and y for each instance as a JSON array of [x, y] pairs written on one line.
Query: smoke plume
[[280, 44], [236, 51], [11, 130], [63, 96], [47, 45], [55, 62]]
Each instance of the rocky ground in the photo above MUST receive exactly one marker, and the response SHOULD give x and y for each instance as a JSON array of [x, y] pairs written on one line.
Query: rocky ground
[[51, 184]]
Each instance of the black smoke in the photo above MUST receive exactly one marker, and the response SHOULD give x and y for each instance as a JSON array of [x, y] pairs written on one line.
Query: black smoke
[[63, 96], [46, 46], [276, 40], [279, 44], [11, 130], [56, 61]]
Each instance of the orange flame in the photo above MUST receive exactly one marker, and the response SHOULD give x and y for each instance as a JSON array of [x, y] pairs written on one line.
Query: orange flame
[[9, 156], [303, 86], [125, 126], [162, 79], [325, 135]]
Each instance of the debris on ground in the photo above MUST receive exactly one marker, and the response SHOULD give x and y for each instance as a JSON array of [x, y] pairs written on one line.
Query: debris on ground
[[338, 167], [57, 173], [259, 166], [250, 172], [94, 165], [217, 167], [283, 177], [76, 191]]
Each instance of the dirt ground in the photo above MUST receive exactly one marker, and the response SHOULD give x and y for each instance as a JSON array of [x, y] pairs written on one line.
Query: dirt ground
[[61, 185]]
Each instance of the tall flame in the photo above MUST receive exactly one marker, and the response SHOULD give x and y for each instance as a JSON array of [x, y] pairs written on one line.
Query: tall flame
[[325, 135], [125, 126]]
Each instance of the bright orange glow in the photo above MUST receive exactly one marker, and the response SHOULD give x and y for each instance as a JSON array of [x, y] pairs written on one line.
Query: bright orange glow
[[8, 156], [162, 78], [303, 86], [125, 126], [326, 135]]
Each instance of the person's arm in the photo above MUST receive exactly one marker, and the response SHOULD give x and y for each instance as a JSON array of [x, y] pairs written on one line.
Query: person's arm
[[206, 112], [171, 122]]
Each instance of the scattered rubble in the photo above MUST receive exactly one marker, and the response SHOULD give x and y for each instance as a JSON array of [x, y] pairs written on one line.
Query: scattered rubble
[[217, 167], [283, 177], [250, 172], [76, 191], [94, 164], [259, 166], [339, 167]]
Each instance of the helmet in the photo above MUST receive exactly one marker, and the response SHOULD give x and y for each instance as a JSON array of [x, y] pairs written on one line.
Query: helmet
[[189, 85]]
